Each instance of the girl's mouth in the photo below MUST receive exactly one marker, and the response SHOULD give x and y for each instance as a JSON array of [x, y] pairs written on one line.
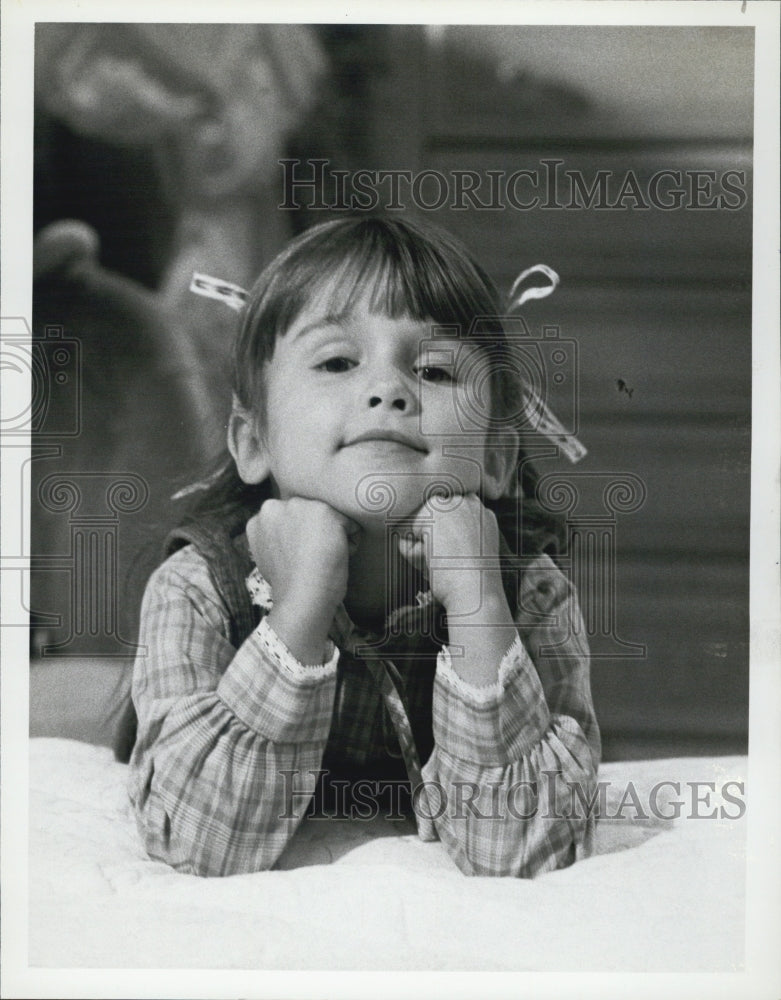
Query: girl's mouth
[[387, 439]]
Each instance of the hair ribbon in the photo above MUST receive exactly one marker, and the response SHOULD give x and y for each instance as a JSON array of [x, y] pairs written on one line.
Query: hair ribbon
[[215, 288], [533, 292], [536, 411]]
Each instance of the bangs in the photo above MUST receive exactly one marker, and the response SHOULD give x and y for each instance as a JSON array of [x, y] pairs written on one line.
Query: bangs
[[407, 269]]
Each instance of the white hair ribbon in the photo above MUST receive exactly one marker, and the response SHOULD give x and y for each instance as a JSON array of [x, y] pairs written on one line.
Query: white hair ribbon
[[201, 484], [535, 292], [539, 415], [231, 295], [545, 422], [215, 288]]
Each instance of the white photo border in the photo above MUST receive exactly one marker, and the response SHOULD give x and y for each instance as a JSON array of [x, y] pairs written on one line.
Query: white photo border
[[762, 977]]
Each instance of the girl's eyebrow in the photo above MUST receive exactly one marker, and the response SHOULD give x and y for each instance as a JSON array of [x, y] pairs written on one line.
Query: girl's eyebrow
[[321, 323]]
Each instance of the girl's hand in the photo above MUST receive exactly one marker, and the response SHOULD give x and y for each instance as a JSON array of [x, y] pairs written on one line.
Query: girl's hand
[[455, 541], [302, 548], [461, 557]]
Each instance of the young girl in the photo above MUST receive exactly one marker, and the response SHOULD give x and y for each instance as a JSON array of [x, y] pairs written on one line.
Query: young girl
[[366, 586]]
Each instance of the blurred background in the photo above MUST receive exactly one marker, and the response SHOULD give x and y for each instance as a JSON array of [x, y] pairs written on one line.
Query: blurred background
[[157, 153]]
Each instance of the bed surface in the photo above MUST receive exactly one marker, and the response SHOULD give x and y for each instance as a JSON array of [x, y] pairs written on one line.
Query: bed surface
[[658, 895]]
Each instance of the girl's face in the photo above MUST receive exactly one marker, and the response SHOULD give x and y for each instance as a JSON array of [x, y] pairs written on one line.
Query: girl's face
[[369, 414]]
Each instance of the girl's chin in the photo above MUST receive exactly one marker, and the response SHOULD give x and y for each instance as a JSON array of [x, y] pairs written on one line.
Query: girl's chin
[[381, 507], [376, 522], [380, 499]]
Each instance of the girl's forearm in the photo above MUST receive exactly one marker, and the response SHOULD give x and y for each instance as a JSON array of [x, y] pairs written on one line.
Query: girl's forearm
[[302, 623], [484, 630]]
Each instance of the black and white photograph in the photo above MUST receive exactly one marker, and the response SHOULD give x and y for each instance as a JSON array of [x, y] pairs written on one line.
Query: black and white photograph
[[390, 537]]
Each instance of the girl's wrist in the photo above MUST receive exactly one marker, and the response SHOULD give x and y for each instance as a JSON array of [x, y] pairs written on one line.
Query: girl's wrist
[[306, 641], [303, 625], [477, 597], [484, 632], [310, 597]]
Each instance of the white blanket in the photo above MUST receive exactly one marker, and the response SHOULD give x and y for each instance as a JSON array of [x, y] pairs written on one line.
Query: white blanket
[[658, 895]]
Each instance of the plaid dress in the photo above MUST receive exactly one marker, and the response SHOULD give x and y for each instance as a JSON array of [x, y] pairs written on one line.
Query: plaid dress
[[237, 741]]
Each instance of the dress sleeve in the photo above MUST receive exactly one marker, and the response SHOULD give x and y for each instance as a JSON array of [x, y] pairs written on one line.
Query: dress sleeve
[[230, 742], [510, 784]]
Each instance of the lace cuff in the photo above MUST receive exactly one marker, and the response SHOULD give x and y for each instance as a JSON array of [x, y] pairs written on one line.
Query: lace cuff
[[278, 652], [259, 590], [481, 694]]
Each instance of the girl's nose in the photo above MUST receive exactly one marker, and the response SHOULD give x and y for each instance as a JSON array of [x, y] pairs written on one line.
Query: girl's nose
[[389, 400], [391, 394]]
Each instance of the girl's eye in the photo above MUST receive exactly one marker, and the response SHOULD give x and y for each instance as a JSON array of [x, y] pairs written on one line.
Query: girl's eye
[[430, 373], [336, 365]]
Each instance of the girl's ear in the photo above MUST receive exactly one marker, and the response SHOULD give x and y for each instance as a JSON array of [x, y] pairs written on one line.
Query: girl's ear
[[246, 445], [501, 458]]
